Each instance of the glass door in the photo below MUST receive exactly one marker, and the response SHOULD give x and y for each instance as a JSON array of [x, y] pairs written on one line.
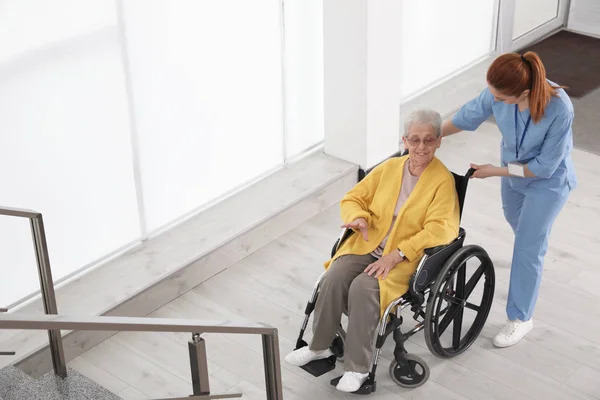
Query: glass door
[[532, 20]]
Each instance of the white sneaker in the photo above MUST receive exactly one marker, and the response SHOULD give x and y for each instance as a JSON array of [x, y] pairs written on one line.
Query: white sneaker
[[351, 381], [512, 332], [304, 355]]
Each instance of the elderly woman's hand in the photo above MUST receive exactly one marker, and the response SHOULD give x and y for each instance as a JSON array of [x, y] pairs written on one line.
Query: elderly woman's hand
[[361, 225], [384, 265]]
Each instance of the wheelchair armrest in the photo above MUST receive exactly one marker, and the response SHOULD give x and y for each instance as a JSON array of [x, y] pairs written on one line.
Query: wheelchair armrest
[[346, 233], [432, 250]]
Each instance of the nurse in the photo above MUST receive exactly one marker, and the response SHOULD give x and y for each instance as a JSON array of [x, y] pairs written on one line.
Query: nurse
[[534, 116]]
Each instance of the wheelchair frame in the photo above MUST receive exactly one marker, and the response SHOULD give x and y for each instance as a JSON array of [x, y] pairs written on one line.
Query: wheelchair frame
[[437, 273]]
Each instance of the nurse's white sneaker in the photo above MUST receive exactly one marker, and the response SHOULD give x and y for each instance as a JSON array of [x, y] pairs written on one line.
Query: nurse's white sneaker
[[304, 355], [351, 381], [512, 332]]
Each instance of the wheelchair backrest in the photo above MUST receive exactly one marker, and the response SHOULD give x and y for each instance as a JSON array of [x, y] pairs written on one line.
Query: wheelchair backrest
[[461, 182]]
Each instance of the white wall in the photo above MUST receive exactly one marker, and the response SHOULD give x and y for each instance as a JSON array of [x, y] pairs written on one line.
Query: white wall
[[440, 37], [381, 56], [584, 17]]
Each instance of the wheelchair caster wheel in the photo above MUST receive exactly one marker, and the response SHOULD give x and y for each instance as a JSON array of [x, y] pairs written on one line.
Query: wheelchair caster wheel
[[410, 377]]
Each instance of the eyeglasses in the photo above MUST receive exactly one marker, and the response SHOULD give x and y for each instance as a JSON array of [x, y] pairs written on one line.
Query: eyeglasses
[[416, 141]]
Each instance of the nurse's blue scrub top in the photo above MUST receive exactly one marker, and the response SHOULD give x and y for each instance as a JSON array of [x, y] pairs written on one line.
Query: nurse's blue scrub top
[[547, 146]]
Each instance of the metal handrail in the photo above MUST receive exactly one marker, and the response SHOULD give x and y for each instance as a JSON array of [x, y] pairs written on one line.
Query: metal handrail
[[130, 324], [46, 283], [270, 340], [19, 212]]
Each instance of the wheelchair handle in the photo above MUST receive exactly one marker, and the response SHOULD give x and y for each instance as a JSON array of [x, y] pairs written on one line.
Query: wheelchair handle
[[469, 173]]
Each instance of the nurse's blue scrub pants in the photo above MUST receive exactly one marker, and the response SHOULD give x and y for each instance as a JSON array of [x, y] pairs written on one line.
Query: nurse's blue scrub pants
[[531, 213]]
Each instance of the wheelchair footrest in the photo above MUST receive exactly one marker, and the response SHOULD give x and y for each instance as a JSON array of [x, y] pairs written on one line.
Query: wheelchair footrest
[[366, 388], [320, 367]]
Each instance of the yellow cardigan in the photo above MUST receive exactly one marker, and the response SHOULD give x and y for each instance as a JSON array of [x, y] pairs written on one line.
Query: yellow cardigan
[[428, 218]]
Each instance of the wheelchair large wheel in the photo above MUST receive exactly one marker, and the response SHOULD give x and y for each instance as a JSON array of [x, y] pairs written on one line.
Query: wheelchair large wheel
[[452, 295]]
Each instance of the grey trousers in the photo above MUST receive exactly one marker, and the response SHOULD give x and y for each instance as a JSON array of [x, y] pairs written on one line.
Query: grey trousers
[[346, 286]]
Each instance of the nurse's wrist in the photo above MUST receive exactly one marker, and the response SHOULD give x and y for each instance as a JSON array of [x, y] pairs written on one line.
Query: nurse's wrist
[[502, 171]]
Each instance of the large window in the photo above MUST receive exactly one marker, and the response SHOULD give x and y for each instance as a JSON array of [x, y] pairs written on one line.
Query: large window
[[120, 117], [440, 37], [64, 128], [207, 94]]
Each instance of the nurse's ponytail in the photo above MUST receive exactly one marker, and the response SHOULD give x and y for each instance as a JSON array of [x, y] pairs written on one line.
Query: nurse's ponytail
[[512, 74]]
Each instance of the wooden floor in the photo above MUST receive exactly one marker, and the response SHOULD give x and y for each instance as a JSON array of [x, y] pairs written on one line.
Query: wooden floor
[[559, 359]]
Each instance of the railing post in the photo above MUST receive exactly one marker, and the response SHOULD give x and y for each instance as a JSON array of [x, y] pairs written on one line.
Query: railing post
[[48, 297], [6, 353], [272, 366], [199, 365]]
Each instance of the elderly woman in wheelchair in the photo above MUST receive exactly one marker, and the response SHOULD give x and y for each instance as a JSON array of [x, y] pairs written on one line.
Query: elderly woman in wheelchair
[[402, 233]]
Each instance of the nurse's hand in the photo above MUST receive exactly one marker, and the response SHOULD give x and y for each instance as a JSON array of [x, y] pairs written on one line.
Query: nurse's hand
[[485, 171]]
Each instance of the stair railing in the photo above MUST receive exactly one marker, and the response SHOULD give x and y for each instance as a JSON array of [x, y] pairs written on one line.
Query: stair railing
[[196, 346], [54, 323], [46, 283]]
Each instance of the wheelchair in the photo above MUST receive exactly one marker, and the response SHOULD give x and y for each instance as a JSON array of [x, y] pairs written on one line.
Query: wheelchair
[[438, 294]]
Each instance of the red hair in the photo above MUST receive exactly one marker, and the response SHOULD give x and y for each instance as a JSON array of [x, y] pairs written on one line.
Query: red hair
[[512, 74]]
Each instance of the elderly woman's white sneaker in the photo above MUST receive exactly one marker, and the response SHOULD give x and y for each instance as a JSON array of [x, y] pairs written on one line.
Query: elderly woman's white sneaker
[[304, 355], [351, 381], [512, 332]]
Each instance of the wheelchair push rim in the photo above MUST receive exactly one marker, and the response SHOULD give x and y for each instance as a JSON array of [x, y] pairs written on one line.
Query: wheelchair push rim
[[450, 296]]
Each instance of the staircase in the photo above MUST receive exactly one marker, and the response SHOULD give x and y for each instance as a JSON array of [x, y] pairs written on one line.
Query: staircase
[[169, 264], [159, 270], [17, 385]]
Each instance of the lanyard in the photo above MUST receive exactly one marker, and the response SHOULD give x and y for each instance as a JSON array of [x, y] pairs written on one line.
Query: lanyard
[[524, 131]]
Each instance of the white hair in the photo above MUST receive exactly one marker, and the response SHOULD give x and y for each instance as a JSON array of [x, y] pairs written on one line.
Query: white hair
[[424, 116]]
